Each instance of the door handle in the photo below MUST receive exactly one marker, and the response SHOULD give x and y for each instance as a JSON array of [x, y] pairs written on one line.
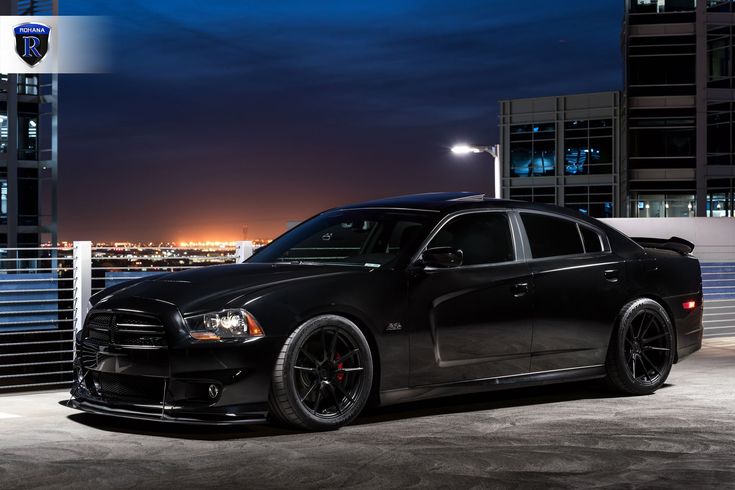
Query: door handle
[[612, 275], [520, 289]]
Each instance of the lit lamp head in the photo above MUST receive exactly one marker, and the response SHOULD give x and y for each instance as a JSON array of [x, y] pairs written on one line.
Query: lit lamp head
[[465, 149]]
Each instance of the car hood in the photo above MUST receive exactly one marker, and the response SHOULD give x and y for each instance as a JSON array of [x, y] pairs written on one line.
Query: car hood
[[204, 289]]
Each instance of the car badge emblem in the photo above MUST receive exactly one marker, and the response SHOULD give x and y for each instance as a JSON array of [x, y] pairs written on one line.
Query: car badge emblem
[[394, 327], [31, 41]]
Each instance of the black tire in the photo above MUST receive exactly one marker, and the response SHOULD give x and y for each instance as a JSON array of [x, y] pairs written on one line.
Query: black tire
[[642, 349], [323, 375]]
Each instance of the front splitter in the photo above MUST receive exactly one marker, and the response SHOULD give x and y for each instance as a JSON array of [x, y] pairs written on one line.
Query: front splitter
[[163, 416]]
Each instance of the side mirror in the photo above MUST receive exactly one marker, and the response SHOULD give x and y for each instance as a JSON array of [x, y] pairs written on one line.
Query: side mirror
[[442, 257]]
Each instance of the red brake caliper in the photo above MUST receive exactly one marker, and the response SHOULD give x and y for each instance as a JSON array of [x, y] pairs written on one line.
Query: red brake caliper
[[340, 374]]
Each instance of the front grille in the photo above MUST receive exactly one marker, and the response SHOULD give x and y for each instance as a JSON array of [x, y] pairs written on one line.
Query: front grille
[[125, 329], [138, 330]]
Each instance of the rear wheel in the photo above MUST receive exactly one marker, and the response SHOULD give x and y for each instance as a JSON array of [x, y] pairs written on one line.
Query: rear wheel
[[641, 352], [323, 375]]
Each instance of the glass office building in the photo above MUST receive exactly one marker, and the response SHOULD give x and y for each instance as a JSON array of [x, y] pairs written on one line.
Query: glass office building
[[28, 147], [673, 131], [563, 150]]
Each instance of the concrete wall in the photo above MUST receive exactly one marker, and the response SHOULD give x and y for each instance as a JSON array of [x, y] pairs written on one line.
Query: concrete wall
[[714, 238]]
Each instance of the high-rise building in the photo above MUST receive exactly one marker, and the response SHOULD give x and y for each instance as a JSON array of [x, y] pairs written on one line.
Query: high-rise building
[[28, 147], [674, 142], [665, 88]]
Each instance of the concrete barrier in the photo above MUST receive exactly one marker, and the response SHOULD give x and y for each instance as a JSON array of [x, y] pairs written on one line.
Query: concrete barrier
[[713, 238]]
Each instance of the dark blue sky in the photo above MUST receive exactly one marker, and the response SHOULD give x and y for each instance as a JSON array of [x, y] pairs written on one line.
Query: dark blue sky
[[220, 114]]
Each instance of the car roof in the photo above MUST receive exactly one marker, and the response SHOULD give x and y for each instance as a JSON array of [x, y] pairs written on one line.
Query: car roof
[[435, 201], [448, 202]]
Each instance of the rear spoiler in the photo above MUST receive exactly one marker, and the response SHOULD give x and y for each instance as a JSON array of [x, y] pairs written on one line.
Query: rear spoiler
[[675, 244]]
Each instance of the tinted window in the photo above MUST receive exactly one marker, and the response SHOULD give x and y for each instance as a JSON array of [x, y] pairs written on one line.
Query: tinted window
[[591, 240], [358, 237], [550, 236], [483, 238]]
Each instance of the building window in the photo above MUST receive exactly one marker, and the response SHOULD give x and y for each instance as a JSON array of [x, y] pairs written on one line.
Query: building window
[[588, 147], [719, 5], [595, 201], [661, 65], [28, 138], [28, 196], [662, 138], [3, 133], [533, 150], [546, 195], [721, 198], [720, 43], [662, 6], [3, 196], [28, 84], [663, 206], [720, 134]]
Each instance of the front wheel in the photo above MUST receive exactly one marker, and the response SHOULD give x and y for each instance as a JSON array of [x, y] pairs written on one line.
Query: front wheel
[[323, 375], [641, 352]]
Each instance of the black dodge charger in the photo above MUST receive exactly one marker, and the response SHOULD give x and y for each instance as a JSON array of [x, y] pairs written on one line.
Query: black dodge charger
[[390, 301]]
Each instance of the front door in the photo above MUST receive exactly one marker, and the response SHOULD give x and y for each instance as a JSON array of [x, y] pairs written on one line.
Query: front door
[[472, 321]]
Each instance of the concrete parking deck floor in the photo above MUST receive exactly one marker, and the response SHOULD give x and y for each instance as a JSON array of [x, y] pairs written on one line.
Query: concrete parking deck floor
[[557, 436]]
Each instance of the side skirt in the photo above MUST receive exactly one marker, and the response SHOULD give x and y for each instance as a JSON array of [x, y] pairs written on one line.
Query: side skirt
[[415, 393]]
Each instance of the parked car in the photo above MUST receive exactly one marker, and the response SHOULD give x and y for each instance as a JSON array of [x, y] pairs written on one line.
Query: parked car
[[391, 301]]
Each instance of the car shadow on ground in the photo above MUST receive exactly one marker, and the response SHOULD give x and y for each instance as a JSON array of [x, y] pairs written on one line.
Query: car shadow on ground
[[442, 406]]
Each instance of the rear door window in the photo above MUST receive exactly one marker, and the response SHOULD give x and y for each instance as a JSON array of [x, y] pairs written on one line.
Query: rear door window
[[550, 236]]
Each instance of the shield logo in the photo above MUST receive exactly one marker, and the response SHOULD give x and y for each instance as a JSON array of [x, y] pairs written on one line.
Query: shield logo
[[31, 41]]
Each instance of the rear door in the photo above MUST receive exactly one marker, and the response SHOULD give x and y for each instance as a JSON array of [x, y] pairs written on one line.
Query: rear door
[[578, 291], [471, 321]]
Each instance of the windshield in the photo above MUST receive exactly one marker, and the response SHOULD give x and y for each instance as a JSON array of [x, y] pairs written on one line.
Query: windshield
[[361, 237]]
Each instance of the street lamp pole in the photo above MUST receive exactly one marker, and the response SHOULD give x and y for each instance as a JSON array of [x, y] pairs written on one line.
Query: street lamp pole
[[493, 151]]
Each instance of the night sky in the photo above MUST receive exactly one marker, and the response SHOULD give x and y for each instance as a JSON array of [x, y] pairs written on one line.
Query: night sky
[[220, 114]]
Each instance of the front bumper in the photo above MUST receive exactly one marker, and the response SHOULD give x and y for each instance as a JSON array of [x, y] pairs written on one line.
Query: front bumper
[[219, 383]]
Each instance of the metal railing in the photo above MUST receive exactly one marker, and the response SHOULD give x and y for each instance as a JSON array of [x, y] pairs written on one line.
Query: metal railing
[[44, 296], [45, 291], [36, 317], [718, 282]]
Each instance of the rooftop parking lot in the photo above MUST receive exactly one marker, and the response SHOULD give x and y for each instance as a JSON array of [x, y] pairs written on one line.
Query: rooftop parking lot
[[556, 436]]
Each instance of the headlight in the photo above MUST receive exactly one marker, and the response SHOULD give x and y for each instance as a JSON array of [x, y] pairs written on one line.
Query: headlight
[[225, 324]]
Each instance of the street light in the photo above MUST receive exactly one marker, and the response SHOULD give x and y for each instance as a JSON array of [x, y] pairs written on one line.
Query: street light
[[494, 151]]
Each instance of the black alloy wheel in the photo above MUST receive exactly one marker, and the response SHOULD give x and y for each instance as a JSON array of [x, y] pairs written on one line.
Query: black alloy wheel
[[642, 351], [323, 375]]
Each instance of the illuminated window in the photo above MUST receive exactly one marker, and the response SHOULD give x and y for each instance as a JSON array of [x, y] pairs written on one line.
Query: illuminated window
[[588, 147], [721, 198], [3, 133], [533, 149], [663, 206], [3, 197], [28, 138], [28, 84]]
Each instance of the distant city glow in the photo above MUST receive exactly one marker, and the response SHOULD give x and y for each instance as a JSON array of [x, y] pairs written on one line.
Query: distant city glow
[[124, 245]]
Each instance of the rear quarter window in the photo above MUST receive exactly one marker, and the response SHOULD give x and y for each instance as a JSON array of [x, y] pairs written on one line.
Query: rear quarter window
[[591, 239]]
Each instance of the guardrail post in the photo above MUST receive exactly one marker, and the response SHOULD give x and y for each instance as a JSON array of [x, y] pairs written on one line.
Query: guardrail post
[[82, 283], [243, 250]]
